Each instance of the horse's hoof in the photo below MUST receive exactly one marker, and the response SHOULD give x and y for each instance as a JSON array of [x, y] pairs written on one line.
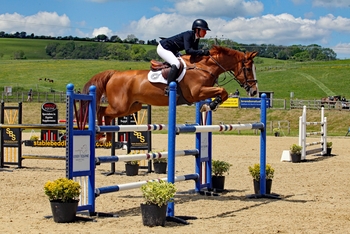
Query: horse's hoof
[[205, 108]]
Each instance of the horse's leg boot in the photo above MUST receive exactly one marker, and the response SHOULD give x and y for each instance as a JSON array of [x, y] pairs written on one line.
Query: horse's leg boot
[[171, 77]]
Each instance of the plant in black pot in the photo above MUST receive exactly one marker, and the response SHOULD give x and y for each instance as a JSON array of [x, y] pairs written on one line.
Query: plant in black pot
[[276, 132], [295, 153], [160, 165], [132, 167], [219, 168], [63, 194], [329, 148], [157, 194], [255, 173]]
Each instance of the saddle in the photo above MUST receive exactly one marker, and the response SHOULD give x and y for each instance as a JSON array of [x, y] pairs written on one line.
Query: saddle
[[165, 67]]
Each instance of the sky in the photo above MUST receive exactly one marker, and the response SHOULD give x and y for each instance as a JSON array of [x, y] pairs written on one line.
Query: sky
[[278, 22]]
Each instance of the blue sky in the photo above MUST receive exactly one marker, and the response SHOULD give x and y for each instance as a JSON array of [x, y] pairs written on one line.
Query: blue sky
[[279, 22]]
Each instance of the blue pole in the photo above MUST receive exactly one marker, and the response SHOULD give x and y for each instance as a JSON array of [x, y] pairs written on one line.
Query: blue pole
[[92, 131], [263, 146], [69, 130], [171, 141]]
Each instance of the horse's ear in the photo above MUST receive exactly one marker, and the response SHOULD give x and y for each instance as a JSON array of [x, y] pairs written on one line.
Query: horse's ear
[[251, 55]]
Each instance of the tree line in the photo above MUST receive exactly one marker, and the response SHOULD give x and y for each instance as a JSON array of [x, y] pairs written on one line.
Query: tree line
[[103, 47]]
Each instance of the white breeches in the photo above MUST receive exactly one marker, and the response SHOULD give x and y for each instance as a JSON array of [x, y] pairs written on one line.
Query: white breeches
[[168, 56]]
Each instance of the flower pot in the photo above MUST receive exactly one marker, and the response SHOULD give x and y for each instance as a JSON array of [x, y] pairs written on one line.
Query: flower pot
[[131, 169], [329, 152], [257, 186], [218, 183], [277, 134], [153, 215], [295, 158], [64, 212], [160, 167]]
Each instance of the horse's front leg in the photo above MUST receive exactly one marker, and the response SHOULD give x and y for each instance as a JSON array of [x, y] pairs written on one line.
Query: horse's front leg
[[220, 95]]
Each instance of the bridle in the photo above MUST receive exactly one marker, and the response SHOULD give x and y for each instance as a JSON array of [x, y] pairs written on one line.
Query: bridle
[[247, 85]]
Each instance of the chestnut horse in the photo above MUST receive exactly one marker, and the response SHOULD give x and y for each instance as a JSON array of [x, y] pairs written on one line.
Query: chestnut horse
[[126, 91]]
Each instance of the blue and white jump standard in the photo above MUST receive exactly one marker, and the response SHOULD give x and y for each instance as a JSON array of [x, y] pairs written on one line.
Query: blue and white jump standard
[[81, 159]]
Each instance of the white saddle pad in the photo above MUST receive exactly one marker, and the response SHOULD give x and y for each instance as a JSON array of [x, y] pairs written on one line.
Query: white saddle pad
[[156, 76]]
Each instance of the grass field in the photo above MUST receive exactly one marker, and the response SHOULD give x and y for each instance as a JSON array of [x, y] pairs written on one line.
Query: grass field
[[307, 80]]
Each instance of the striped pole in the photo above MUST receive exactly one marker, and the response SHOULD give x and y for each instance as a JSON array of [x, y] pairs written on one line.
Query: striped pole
[[146, 156], [122, 187]]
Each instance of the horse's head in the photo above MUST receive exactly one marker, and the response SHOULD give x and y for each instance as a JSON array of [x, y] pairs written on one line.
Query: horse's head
[[242, 66], [246, 74]]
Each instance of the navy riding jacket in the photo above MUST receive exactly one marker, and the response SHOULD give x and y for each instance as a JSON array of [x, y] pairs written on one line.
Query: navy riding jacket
[[184, 41]]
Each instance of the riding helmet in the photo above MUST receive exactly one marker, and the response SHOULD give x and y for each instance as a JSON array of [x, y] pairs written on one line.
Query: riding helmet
[[200, 23]]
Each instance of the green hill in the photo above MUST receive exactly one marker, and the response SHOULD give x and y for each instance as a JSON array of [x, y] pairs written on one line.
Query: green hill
[[307, 80]]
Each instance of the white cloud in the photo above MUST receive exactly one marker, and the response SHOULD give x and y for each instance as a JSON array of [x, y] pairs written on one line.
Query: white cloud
[[342, 50], [42, 23], [269, 29], [222, 8], [331, 3], [103, 30], [331, 22]]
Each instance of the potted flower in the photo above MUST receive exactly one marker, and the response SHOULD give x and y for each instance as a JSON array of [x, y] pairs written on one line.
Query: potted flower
[[157, 194], [276, 132], [219, 168], [160, 165], [295, 153], [132, 167], [329, 148], [255, 173], [63, 194]]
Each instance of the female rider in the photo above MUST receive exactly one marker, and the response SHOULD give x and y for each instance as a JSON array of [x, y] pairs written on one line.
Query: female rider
[[168, 48]]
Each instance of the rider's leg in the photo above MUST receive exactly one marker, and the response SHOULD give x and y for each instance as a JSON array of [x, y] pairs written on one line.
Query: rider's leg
[[169, 57], [171, 77]]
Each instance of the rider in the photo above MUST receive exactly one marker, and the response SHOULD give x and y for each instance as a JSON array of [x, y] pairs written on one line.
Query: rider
[[169, 48]]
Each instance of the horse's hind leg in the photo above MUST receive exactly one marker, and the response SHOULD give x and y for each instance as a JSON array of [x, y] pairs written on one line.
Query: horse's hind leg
[[100, 114]]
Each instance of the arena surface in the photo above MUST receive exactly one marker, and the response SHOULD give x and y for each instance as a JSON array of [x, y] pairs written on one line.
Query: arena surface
[[314, 194]]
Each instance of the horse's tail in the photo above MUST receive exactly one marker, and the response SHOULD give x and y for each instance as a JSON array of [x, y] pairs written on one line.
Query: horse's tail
[[99, 81]]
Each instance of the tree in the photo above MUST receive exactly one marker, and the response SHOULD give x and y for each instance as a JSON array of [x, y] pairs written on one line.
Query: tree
[[116, 38], [137, 52], [102, 37], [131, 39]]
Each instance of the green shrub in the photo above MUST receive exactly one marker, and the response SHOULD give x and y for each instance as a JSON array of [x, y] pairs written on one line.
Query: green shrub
[[158, 192], [255, 171], [220, 167], [62, 189]]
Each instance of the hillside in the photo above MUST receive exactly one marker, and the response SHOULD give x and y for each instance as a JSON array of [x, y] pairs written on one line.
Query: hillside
[[307, 80]]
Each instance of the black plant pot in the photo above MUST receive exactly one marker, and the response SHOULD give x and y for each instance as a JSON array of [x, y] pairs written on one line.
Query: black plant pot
[[153, 215], [295, 158], [160, 167], [277, 134], [131, 169], [218, 183], [257, 186], [329, 151], [64, 212]]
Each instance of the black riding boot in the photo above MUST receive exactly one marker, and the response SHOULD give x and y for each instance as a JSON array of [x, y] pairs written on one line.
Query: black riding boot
[[171, 77]]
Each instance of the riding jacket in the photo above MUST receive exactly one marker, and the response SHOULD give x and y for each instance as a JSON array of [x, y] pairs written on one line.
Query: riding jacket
[[184, 41]]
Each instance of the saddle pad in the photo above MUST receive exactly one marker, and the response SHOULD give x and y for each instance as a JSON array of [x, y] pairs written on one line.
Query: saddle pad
[[156, 76]]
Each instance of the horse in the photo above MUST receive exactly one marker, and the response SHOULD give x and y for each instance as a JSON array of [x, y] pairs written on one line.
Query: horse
[[126, 91]]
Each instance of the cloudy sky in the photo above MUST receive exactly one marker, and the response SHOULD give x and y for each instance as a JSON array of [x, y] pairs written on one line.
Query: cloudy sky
[[279, 22]]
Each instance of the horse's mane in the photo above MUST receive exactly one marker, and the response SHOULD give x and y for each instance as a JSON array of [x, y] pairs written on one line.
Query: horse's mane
[[223, 50], [215, 50]]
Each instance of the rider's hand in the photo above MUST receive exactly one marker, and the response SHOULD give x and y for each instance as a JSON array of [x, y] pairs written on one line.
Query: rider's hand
[[206, 52]]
